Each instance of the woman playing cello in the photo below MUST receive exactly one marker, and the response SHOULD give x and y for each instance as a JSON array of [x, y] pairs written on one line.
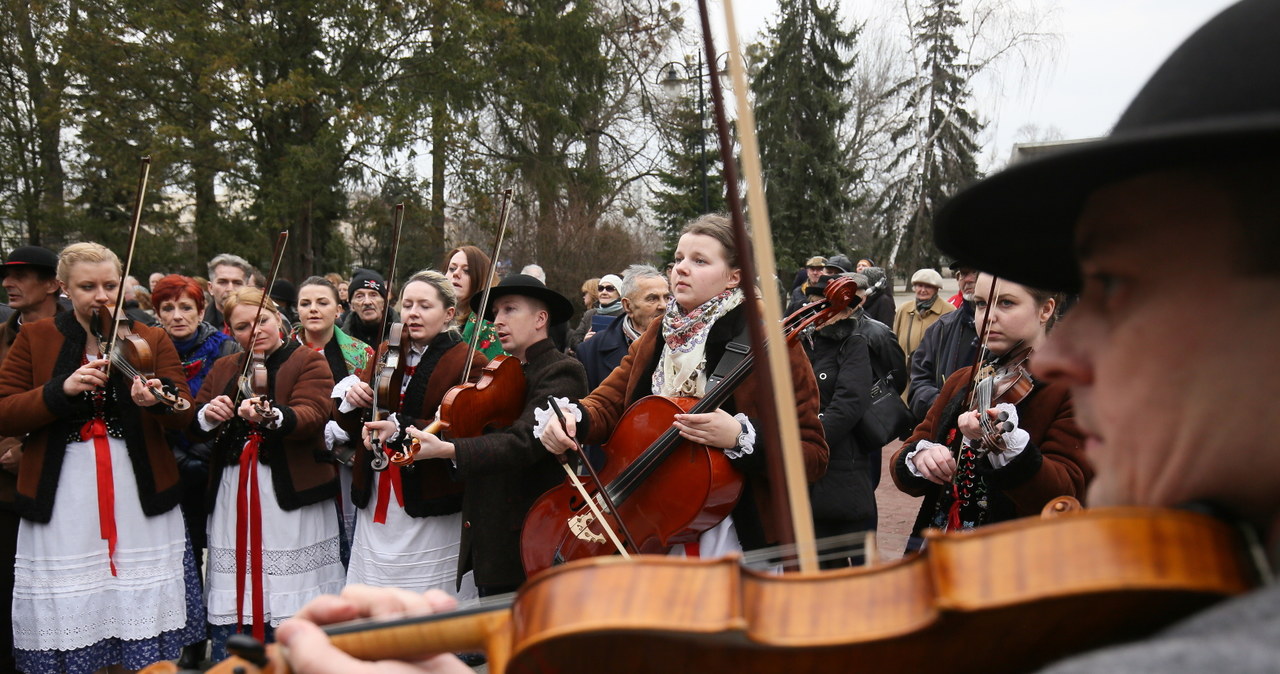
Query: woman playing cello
[[408, 535], [1039, 455], [104, 574], [674, 357], [273, 529]]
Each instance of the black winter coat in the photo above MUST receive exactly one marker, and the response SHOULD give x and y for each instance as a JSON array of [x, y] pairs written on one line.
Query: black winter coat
[[843, 499], [948, 345]]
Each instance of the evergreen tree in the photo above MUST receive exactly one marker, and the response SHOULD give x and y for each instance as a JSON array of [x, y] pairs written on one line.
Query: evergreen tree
[[937, 138], [801, 103], [692, 179]]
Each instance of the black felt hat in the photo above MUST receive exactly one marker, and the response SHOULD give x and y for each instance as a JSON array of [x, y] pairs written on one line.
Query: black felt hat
[[30, 256], [522, 284], [1217, 97]]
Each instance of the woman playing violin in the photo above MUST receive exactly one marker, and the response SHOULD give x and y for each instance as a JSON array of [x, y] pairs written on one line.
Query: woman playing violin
[[104, 575], [468, 270], [317, 329], [273, 531], [675, 356], [410, 520], [970, 476]]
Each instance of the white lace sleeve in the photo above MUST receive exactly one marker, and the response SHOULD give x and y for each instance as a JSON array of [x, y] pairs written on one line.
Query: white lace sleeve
[[340, 392], [205, 424], [542, 415], [334, 435], [748, 444]]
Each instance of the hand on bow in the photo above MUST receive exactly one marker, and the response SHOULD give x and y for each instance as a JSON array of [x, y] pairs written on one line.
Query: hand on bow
[[85, 378], [934, 462]]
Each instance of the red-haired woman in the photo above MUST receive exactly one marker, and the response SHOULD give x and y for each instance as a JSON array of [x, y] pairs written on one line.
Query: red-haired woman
[[468, 270]]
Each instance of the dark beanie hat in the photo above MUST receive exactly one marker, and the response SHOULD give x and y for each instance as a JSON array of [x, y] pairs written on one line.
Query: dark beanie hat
[[367, 279], [282, 290]]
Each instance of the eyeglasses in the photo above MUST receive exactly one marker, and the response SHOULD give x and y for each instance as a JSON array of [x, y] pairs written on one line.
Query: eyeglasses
[[604, 289]]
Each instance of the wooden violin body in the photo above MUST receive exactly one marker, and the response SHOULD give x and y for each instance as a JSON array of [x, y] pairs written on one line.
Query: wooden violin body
[[494, 400], [560, 527], [132, 355], [1013, 596]]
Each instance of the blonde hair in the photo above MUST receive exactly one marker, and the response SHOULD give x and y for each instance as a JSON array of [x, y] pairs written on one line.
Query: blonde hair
[[436, 280], [86, 251], [250, 297]]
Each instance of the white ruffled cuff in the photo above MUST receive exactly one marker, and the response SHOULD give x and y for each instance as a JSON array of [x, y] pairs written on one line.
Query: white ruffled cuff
[[205, 424], [334, 435], [911, 455], [748, 444], [340, 392], [541, 416]]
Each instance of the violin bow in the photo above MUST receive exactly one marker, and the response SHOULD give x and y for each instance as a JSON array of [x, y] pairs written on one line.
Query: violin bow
[[601, 488], [397, 221], [144, 173], [484, 298], [787, 477], [380, 459], [277, 256]]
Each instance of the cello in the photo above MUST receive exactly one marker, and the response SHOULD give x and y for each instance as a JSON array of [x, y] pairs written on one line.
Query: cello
[[641, 476]]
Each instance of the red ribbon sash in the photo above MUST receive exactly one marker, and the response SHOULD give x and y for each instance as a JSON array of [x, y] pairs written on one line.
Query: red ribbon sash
[[249, 531], [97, 429], [388, 482]]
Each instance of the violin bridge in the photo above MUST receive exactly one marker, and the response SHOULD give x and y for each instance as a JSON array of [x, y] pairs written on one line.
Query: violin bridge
[[580, 525]]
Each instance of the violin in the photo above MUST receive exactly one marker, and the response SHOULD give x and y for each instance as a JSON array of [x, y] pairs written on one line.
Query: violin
[[388, 381], [496, 399], [253, 382], [1063, 584], [132, 355], [667, 490], [1005, 379]]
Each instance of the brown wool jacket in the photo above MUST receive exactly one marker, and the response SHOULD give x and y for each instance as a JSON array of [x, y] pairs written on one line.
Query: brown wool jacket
[[32, 402], [631, 381], [300, 383], [430, 487]]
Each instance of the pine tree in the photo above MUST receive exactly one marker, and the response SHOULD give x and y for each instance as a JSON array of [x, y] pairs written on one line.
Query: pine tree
[[801, 103], [692, 180], [938, 144]]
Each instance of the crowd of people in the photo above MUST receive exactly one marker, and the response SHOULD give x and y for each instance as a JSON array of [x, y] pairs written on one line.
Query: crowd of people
[[242, 478]]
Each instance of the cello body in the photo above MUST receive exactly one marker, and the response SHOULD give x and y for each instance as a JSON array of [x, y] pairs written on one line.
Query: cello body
[[642, 476]]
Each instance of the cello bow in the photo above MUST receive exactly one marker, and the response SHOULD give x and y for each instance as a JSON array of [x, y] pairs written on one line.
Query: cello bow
[[787, 476]]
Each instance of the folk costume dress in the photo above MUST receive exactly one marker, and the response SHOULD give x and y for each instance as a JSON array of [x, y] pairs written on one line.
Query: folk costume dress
[[409, 522], [674, 357], [273, 527], [346, 356], [104, 573]]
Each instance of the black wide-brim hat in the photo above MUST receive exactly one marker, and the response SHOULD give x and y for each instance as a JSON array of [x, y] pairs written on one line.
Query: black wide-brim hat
[[30, 256], [522, 284], [1216, 98]]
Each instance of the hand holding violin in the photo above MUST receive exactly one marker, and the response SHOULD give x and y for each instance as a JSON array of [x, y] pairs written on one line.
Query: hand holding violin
[[309, 650], [143, 391], [257, 411], [87, 377], [432, 447], [999, 431], [383, 430]]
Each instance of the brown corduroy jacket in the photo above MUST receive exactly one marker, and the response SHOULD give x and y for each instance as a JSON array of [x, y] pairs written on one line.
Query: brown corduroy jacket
[[300, 384], [32, 402]]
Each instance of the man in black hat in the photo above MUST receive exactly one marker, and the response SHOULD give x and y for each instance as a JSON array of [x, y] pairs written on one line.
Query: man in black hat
[[368, 292], [29, 277], [507, 469], [1173, 383]]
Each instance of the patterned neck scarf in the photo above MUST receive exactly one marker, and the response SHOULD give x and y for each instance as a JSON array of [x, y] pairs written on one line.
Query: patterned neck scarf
[[680, 371]]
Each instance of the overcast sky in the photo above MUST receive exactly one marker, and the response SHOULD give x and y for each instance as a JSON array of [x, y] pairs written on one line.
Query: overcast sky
[[1108, 49]]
